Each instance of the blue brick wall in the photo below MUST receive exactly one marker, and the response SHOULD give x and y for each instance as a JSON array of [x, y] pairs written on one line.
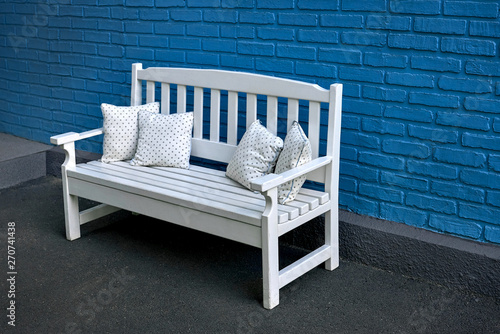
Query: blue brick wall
[[421, 125]]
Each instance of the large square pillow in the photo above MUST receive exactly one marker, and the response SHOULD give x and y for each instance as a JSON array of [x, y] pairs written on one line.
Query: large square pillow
[[121, 130], [164, 140], [296, 152], [255, 155]]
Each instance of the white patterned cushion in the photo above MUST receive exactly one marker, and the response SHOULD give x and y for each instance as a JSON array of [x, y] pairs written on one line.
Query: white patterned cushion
[[255, 155], [296, 152], [121, 131], [164, 140]]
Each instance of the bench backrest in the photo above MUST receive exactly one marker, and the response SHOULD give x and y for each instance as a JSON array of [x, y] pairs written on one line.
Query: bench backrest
[[238, 87]]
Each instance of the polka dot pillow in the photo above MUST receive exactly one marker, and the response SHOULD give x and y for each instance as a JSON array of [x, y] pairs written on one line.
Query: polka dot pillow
[[296, 152], [121, 130], [164, 140], [255, 155]]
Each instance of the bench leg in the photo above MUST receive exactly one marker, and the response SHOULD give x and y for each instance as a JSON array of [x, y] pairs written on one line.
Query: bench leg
[[71, 216], [332, 238], [270, 266], [270, 262]]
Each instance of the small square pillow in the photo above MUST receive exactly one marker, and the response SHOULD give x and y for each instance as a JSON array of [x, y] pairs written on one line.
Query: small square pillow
[[121, 130], [296, 152], [255, 155], [164, 140]]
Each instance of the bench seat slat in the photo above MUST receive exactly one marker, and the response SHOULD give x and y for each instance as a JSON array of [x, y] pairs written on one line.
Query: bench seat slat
[[252, 217], [204, 190]]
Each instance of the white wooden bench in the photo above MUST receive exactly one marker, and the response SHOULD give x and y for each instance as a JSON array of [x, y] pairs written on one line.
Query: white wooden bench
[[205, 199]]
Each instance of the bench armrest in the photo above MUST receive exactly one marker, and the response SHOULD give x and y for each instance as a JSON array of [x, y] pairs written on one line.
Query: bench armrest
[[269, 181], [69, 137]]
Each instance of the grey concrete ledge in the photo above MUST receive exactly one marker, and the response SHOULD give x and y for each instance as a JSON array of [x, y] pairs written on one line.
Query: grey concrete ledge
[[443, 259]]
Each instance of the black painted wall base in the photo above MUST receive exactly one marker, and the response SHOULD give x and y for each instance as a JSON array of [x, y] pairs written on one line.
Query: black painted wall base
[[446, 260]]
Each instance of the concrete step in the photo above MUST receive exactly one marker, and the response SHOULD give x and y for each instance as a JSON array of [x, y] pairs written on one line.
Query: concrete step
[[21, 160]]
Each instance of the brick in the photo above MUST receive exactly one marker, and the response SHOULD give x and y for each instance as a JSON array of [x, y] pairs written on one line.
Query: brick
[[360, 139], [110, 51], [154, 15], [479, 212], [494, 162], [409, 114], [342, 21], [380, 160], [456, 227], [402, 214], [347, 184], [361, 74], [237, 32], [220, 16], [371, 6], [358, 204], [237, 3], [358, 172], [415, 42], [481, 179], [352, 90], [130, 13], [203, 3], [275, 4], [483, 105], [153, 41], [257, 49], [202, 58], [316, 70], [433, 134], [317, 36], [276, 34], [407, 148], [468, 46], [237, 61], [436, 64], [403, 181], [388, 22], [475, 122], [351, 122], [349, 153], [460, 157], [469, 8], [99, 37], [185, 15], [219, 45], [492, 234], [484, 29], [307, 20], [340, 55], [457, 191], [464, 85], [424, 7], [139, 3], [202, 30], [318, 4], [493, 198], [381, 193], [170, 56], [436, 170], [104, 25], [257, 18], [273, 65], [362, 107], [431, 203], [496, 125], [384, 94], [485, 68], [435, 100], [385, 60], [383, 127], [364, 38], [440, 26], [295, 52], [497, 89], [410, 79], [185, 43]]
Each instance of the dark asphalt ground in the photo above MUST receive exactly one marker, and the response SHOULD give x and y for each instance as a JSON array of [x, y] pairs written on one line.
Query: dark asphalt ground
[[132, 274]]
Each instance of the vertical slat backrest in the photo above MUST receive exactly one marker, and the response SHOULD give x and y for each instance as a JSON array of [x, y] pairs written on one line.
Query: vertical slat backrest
[[236, 86]]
